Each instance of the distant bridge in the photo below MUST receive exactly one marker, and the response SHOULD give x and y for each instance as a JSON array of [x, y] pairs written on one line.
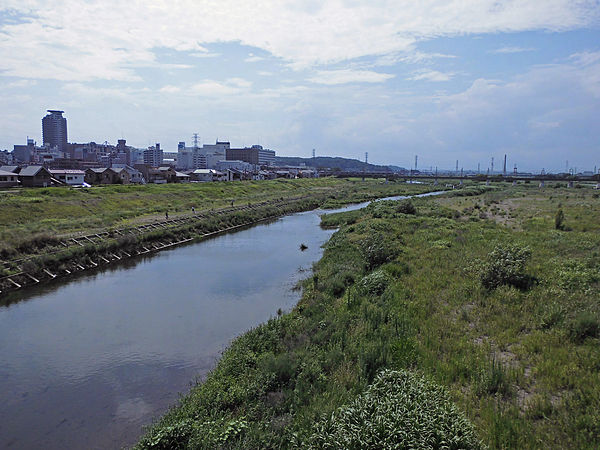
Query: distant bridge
[[491, 178]]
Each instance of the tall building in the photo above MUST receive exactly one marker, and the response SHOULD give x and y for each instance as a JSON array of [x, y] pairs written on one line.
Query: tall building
[[54, 130], [153, 156]]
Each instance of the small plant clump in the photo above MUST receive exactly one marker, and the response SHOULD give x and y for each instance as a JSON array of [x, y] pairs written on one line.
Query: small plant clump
[[399, 410], [559, 220], [506, 266]]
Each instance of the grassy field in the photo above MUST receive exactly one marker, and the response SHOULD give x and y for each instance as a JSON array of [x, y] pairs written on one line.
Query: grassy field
[[29, 217], [472, 319]]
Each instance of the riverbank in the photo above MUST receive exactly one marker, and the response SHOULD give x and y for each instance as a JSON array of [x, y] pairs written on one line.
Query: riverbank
[[417, 288], [36, 258]]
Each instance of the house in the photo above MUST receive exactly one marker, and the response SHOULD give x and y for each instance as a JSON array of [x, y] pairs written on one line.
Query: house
[[8, 179], [101, 175], [72, 177], [135, 176], [123, 176], [35, 176], [237, 175], [13, 169], [207, 175], [182, 177]]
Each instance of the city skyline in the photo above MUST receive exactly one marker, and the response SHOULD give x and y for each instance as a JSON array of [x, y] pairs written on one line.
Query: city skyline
[[446, 81]]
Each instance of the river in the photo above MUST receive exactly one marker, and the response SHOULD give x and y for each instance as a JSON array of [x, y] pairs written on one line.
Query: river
[[88, 362]]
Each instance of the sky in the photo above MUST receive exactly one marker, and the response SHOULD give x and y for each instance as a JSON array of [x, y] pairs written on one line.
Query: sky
[[465, 80]]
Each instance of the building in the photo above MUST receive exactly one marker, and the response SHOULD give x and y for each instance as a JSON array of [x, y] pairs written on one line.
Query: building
[[205, 157], [72, 177], [8, 179], [153, 156], [35, 176], [102, 175], [135, 176], [54, 130], [207, 175], [255, 155], [241, 166]]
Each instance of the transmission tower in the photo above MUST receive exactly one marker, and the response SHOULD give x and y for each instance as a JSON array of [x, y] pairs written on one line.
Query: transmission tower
[[195, 140], [366, 157]]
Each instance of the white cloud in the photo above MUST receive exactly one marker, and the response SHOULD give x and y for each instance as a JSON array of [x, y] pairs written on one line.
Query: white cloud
[[170, 89], [431, 75], [80, 40], [344, 76], [512, 50]]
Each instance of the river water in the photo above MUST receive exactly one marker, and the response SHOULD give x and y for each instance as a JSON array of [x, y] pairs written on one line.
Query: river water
[[88, 362]]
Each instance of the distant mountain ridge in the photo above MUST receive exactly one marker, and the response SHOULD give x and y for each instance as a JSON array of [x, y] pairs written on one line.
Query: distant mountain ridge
[[328, 162]]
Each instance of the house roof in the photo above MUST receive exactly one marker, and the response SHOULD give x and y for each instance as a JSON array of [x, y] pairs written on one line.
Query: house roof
[[99, 169], [5, 173], [12, 169], [69, 171], [181, 175], [31, 171]]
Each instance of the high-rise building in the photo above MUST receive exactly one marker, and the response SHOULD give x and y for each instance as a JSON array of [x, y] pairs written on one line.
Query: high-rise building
[[54, 130], [153, 156]]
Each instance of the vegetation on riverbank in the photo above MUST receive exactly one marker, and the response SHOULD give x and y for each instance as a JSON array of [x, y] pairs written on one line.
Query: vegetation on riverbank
[[37, 256], [428, 291], [33, 218]]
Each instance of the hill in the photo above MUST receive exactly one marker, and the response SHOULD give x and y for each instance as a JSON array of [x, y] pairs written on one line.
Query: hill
[[327, 162]]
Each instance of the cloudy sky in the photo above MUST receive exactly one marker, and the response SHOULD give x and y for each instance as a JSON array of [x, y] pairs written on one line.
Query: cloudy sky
[[445, 80]]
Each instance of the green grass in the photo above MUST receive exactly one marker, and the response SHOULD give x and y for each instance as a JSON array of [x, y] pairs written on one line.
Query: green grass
[[522, 364], [30, 219]]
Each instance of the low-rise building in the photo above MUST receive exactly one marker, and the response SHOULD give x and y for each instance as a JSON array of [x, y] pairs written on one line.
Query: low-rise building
[[8, 179], [207, 175], [35, 176], [72, 177], [101, 175]]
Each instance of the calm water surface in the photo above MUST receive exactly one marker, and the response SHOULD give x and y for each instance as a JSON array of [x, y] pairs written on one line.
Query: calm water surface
[[87, 363]]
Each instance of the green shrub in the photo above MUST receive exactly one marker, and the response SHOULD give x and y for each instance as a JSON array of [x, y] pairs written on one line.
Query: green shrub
[[374, 283], [376, 250], [506, 266], [399, 410], [406, 207], [559, 220], [583, 326]]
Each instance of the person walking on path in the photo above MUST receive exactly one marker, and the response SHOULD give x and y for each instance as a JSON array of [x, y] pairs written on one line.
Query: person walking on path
[[167, 215]]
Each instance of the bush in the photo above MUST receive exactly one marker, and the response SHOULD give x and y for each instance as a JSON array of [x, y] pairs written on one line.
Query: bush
[[583, 326], [399, 410], [559, 220], [374, 283], [506, 266], [375, 250], [406, 207]]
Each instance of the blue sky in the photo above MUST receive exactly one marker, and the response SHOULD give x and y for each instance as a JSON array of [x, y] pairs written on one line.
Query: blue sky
[[445, 80]]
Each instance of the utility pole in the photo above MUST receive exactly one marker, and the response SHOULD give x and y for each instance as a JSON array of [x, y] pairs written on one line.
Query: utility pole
[[504, 169], [416, 159], [492, 165]]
